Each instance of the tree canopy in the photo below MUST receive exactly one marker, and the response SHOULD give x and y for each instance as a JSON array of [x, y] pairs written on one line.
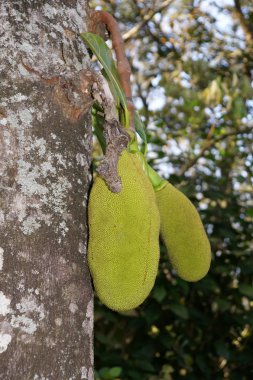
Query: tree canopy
[[192, 67]]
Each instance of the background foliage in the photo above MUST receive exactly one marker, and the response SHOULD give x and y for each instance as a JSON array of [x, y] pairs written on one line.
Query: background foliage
[[192, 67]]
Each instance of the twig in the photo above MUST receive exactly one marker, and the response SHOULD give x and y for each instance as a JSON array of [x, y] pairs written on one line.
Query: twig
[[246, 26], [208, 144], [123, 66], [146, 18]]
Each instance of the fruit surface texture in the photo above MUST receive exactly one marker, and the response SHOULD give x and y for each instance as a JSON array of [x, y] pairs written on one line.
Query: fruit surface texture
[[123, 251], [183, 234]]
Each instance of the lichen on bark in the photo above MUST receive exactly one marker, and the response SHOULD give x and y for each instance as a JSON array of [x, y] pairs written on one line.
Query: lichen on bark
[[45, 156]]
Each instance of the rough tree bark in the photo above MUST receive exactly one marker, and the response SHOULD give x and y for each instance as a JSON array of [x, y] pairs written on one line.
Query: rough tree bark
[[46, 305]]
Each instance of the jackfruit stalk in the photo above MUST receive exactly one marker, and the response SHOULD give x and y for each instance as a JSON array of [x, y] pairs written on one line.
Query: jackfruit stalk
[[182, 231], [123, 250]]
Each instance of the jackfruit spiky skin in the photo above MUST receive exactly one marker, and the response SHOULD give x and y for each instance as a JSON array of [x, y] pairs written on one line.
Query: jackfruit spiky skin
[[183, 234], [123, 250]]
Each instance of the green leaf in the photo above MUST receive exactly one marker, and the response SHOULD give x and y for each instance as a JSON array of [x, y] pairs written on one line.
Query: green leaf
[[239, 109], [144, 365], [115, 372], [246, 266], [112, 89], [246, 290], [98, 125], [223, 305], [104, 372], [103, 54], [140, 129], [97, 377], [179, 310], [110, 373], [159, 293], [249, 211]]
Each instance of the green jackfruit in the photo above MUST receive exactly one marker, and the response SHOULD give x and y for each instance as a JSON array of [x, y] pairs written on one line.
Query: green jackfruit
[[183, 234], [123, 250]]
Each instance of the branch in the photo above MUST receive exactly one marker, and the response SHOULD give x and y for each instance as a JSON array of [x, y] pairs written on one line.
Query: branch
[[208, 144], [247, 28], [123, 66], [146, 18]]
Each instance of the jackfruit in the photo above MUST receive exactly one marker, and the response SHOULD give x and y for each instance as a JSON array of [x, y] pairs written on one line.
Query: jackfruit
[[123, 249], [183, 234]]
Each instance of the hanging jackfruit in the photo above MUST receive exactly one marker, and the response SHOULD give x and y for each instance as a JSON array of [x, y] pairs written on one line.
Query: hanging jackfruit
[[183, 233], [123, 249]]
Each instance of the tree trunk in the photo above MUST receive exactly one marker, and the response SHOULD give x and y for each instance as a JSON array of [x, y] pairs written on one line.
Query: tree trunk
[[46, 305]]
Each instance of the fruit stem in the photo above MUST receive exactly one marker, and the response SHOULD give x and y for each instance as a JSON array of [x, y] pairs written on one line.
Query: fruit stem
[[133, 145], [158, 183]]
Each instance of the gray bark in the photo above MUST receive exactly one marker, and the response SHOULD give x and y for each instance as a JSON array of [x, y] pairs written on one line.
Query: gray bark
[[46, 304]]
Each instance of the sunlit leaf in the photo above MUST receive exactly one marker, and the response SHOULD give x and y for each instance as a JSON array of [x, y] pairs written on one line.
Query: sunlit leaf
[[103, 54], [140, 129]]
